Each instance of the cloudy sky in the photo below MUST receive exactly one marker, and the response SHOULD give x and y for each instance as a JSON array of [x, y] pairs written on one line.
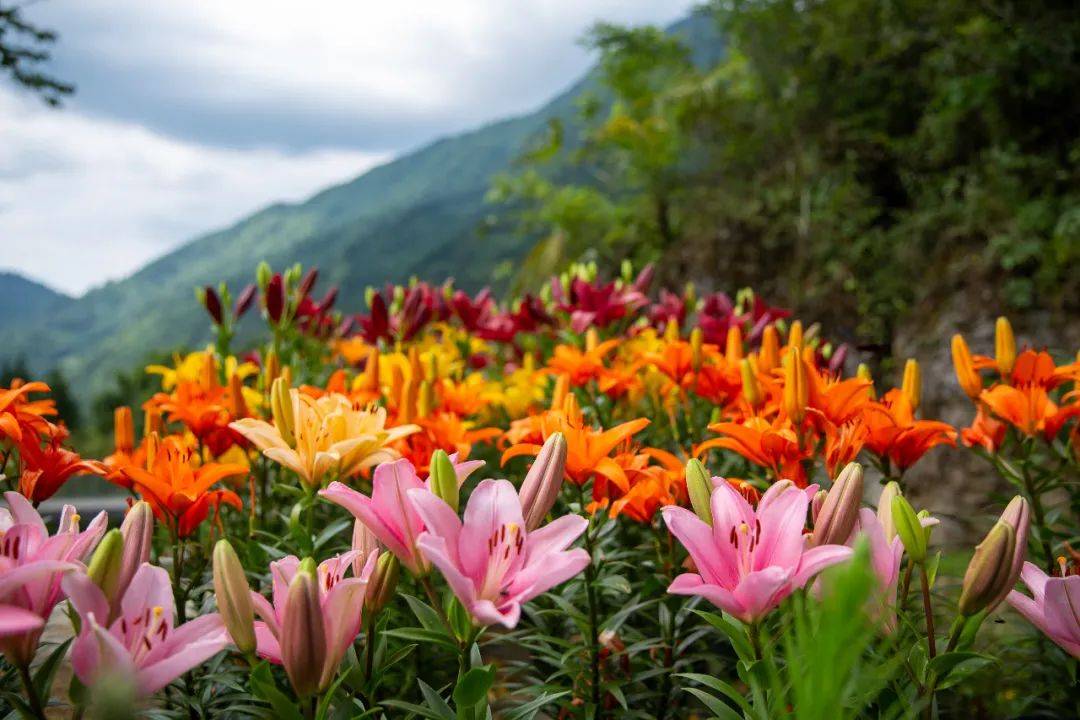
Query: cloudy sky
[[189, 115]]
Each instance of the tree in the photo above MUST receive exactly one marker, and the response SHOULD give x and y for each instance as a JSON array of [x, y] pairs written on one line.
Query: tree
[[855, 158], [24, 47]]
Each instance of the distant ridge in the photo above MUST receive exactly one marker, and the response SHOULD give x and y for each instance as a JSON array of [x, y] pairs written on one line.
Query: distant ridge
[[420, 214]]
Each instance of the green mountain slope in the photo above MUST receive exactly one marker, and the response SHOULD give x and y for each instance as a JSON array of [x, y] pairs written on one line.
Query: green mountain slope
[[420, 214], [24, 301]]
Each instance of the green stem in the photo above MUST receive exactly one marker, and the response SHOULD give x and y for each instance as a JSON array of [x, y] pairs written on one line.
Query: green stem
[[31, 691], [1039, 515], [928, 610], [594, 630]]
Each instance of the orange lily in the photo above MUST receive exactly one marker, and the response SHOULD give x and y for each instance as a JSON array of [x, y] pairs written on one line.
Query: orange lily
[[985, 431], [893, 433], [46, 468], [178, 490], [19, 414], [1028, 408], [580, 366], [588, 449], [774, 446], [443, 431], [651, 486]]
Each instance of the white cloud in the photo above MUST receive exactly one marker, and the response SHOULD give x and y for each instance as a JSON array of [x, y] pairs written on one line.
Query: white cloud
[[190, 115], [84, 200]]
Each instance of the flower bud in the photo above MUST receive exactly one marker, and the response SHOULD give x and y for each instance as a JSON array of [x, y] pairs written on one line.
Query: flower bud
[[816, 504], [106, 565], [966, 375], [442, 479], [697, 343], [909, 528], [699, 486], [244, 302], [425, 399], [138, 532], [884, 511], [592, 339], [796, 390], [1004, 346], [989, 570], [733, 349], [671, 331], [209, 298], [307, 284], [542, 483], [769, 355], [123, 429], [912, 385], [262, 275], [1017, 515], [364, 543], [751, 388], [282, 411], [152, 421], [795, 335], [274, 298], [237, 405], [303, 633], [836, 521], [383, 583], [233, 596]]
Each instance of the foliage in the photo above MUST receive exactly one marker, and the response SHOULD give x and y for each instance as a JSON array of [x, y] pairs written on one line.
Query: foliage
[[23, 47], [836, 152]]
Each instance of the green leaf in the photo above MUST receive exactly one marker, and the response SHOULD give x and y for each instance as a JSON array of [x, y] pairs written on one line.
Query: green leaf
[[46, 672], [955, 667], [725, 688], [422, 635], [473, 686], [735, 634], [435, 701], [716, 707], [263, 685], [529, 709], [426, 614]]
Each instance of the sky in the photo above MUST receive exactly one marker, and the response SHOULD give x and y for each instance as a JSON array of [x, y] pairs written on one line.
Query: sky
[[190, 115]]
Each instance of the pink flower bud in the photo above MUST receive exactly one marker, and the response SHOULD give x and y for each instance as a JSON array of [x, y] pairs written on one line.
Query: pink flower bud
[[543, 482], [836, 519], [303, 634]]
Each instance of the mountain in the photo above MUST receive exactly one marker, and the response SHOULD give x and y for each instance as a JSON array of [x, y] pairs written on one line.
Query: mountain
[[422, 214], [24, 301]]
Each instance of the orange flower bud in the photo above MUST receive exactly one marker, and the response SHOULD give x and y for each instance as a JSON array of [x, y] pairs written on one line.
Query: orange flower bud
[[966, 374], [751, 388], [795, 334], [912, 385], [123, 429], [733, 352], [1004, 346], [671, 332], [238, 407], [769, 357], [697, 342], [152, 421], [796, 391], [863, 373], [560, 391]]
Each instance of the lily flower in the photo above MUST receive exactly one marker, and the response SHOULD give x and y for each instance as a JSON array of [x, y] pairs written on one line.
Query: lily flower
[[329, 436], [389, 513], [31, 565], [46, 468], [179, 492], [751, 558], [19, 415], [1052, 606], [491, 562], [894, 434], [588, 449], [331, 607], [143, 642]]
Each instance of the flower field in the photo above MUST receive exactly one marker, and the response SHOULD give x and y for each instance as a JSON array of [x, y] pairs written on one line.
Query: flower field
[[599, 500]]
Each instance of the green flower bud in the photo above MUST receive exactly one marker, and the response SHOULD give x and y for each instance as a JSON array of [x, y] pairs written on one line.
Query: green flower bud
[[233, 596], [909, 528], [443, 479], [700, 487], [989, 571]]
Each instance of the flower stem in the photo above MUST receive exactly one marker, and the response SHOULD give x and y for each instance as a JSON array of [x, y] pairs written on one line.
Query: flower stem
[[928, 610], [31, 691], [1039, 515], [594, 630]]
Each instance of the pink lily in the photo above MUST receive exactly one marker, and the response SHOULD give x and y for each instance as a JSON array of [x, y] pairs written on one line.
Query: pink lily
[[749, 560], [1054, 606], [142, 643], [338, 613], [31, 565], [389, 513], [885, 558], [491, 561]]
